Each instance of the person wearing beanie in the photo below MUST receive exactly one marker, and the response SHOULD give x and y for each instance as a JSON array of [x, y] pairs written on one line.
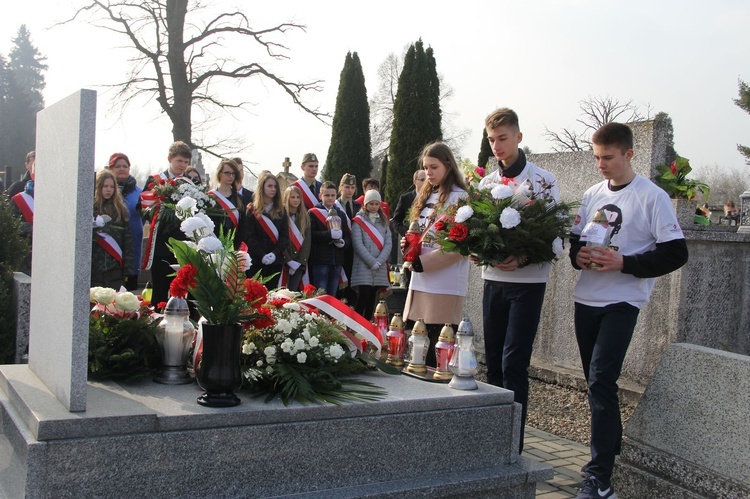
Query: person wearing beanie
[[119, 166], [371, 240]]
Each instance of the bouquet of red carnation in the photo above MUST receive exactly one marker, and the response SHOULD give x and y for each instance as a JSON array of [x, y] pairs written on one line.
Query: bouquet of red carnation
[[507, 220]]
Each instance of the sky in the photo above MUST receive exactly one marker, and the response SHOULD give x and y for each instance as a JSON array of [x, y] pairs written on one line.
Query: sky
[[538, 57]]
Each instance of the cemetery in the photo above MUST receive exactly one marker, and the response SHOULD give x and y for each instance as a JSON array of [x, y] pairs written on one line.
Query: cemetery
[[66, 436]]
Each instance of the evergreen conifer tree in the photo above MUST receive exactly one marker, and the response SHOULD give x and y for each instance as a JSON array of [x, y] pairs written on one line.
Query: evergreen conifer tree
[[26, 82], [349, 151], [744, 103], [416, 120]]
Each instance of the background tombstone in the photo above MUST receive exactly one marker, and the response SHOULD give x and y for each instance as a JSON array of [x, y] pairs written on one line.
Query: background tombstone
[[61, 257]]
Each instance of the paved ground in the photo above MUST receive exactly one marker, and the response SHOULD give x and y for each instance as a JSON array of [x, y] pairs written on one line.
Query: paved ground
[[566, 456]]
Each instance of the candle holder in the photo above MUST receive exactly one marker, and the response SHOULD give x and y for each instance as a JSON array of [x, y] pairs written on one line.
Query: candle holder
[[417, 348], [413, 247], [396, 342], [443, 352], [463, 363], [175, 335], [380, 318]]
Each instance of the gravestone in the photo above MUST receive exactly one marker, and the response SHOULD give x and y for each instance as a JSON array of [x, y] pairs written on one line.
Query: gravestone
[[61, 255]]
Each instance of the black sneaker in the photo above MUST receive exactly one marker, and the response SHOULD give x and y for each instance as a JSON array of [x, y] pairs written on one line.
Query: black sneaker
[[591, 488]]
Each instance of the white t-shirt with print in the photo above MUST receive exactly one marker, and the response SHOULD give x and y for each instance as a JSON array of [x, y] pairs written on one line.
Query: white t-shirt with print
[[642, 216]]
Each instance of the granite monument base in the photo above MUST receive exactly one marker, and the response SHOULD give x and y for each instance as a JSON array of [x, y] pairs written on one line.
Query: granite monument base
[[690, 434], [150, 440]]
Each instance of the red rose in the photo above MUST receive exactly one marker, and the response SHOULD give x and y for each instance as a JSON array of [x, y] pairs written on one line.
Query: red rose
[[161, 305], [439, 225], [308, 290], [458, 232], [480, 171], [255, 293]]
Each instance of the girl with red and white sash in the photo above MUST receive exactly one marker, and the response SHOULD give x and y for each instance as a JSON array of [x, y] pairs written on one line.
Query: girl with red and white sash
[[112, 245], [225, 193], [371, 239], [267, 234], [295, 274]]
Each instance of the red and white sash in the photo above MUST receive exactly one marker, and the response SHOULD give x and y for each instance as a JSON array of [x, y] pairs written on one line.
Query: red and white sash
[[340, 207], [269, 228], [295, 236], [371, 231], [25, 204], [110, 246], [229, 208], [308, 196], [340, 312]]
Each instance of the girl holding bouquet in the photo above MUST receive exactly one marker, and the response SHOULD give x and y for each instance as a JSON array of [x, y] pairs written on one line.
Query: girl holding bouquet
[[298, 248], [439, 279], [267, 230], [371, 240], [112, 245]]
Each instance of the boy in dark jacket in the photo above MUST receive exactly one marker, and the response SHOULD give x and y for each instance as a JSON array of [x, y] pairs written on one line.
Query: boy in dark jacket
[[327, 251]]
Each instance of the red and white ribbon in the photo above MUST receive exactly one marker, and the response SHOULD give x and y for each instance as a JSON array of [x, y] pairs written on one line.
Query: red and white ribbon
[[25, 204], [307, 195], [340, 312], [109, 245], [371, 231], [269, 228], [295, 236], [229, 208]]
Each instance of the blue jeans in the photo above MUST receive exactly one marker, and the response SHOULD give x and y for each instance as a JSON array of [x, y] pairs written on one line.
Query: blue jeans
[[511, 317], [326, 277], [603, 335]]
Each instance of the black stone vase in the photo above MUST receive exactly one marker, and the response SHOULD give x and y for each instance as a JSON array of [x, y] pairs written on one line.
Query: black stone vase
[[219, 370]]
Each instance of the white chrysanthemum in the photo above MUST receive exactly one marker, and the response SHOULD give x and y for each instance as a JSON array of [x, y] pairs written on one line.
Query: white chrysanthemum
[[287, 345], [314, 341], [509, 218], [301, 357], [190, 225], [557, 247], [269, 351], [187, 203], [259, 363], [284, 326], [249, 348], [209, 244], [299, 344], [464, 213], [306, 334], [292, 306], [209, 223], [336, 351], [501, 191]]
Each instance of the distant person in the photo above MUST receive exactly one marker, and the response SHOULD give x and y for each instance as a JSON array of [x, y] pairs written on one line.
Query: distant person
[[245, 193], [400, 219], [20, 185], [347, 204], [371, 240], [267, 230], [300, 241], [327, 252], [158, 256], [646, 242], [194, 175], [119, 165], [224, 190], [731, 213], [112, 244], [439, 280], [22, 204], [308, 186], [373, 183]]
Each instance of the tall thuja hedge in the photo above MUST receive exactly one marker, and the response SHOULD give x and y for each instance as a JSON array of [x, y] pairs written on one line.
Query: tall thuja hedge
[[12, 250], [416, 118], [349, 151]]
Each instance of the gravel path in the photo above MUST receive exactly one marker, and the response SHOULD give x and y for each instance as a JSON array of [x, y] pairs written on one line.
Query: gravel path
[[561, 411]]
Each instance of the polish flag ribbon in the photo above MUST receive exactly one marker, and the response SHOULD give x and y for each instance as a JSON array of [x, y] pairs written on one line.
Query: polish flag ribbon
[[110, 246], [25, 203], [229, 208], [269, 228], [374, 234], [340, 312], [307, 194]]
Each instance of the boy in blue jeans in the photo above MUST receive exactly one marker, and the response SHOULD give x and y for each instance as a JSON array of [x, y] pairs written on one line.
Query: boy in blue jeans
[[327, 251], [646, 242]]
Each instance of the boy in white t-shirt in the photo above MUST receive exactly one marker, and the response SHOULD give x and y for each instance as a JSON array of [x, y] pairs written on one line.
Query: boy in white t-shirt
[[645, 241], [513, 292]]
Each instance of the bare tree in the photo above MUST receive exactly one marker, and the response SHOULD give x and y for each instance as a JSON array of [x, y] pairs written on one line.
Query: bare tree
[[595, 112], [725, 183], [182, 64]]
